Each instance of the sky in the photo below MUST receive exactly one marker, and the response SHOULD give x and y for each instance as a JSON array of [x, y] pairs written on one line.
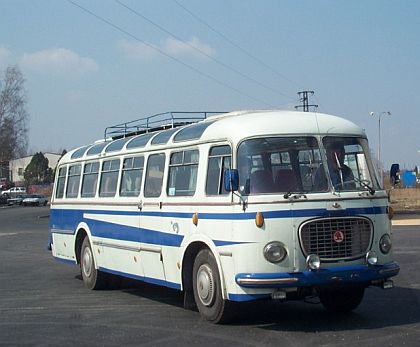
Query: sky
[[92, 64]]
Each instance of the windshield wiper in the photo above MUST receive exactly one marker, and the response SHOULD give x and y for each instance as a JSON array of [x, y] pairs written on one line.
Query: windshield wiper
[[295, 196], [365, 184]]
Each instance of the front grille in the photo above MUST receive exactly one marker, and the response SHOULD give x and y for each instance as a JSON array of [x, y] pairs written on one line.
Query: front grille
[[336, 238]]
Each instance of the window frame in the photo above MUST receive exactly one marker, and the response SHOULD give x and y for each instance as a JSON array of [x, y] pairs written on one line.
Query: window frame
[[132, 168], [90, 173], [222, 158], [183, 165], [147, 182], [61, 178], [109, 173], [70, 177]]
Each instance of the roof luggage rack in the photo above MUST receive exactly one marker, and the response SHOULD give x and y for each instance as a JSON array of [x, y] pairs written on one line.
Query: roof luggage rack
[[160, 121]]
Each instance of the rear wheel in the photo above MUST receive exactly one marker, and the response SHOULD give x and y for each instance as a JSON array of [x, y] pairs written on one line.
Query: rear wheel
[[208, 290], [341, 300], [92, 278]]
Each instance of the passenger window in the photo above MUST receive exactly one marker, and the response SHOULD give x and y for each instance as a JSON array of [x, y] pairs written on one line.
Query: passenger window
[[90, 179], [109, 178], [219, 161], [59, 191], [132, 173], [183, 169], [73, 182], [154, 175]]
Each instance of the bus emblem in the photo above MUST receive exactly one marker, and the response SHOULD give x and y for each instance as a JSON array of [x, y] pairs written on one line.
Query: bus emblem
[[338, 236]]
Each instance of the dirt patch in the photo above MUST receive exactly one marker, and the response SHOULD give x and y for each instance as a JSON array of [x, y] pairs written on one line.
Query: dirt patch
[[405, 199]]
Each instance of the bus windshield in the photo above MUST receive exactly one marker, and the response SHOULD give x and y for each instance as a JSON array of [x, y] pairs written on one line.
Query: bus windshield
[[298, 165], [348, 164]]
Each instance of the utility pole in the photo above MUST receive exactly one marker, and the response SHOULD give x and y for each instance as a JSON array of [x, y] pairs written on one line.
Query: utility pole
[[304, 98]]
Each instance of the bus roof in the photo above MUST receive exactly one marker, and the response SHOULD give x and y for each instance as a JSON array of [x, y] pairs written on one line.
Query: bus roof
[[234, 126]]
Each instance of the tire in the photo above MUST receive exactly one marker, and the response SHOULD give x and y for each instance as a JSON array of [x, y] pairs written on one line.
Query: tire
[[341, 300], [92, 278], [208, 290]]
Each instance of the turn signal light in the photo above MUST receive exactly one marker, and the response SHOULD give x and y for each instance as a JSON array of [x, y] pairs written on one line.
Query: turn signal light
[[259, 219], [195, 219]]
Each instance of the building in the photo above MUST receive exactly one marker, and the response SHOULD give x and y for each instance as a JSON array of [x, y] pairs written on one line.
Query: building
[[17, 166]]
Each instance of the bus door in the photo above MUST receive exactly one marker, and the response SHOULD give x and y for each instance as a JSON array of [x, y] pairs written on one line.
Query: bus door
[[151, 221]]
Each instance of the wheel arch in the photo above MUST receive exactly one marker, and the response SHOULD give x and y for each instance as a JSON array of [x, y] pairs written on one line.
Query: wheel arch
[[82, 232], [188, 258]]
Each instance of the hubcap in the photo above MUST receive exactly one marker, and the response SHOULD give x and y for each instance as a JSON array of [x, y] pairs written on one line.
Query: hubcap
[[87, 262], [205, 285]]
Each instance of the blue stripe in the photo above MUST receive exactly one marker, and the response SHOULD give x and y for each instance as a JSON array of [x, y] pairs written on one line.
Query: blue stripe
[[143, 278], [127, 233], [66, 261], [323, 276], [247, 297], [233, 216], [220, 243], [67, 219]]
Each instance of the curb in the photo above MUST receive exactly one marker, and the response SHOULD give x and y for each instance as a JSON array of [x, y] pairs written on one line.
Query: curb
[[406, 222]]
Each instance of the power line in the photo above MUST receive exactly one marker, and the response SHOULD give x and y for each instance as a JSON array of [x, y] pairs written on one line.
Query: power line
[[234, 44], [118, 28], [229, 67]]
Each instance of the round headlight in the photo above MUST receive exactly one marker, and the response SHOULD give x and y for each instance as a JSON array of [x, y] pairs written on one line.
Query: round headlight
[[371, 258], [385, 244], [275, 252], [313, 262]]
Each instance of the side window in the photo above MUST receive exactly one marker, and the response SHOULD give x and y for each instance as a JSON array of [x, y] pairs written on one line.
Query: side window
[[154, 175], [132, 173], [219, 161], [183, 168], [109, 178], [59, 190], [73, 182], [90, 179]]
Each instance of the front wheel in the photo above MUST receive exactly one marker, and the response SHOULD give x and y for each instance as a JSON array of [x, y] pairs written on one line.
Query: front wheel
[[92, 278], [341, 300], [208, 290]]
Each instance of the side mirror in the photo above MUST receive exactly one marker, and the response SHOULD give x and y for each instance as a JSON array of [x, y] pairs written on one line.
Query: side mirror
[[231, 180], [394, 174]]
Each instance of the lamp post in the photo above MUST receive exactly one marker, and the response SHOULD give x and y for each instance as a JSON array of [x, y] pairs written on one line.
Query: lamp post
[[379, 137]]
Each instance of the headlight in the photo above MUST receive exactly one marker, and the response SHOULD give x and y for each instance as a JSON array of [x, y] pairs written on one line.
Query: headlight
[[275, 252], [371, 258], [313, 262], [385, 244]]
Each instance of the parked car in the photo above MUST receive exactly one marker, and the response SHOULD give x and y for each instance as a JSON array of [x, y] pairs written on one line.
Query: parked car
[[17, 200], [3, 199], [35, 200], [5, 184], [14, 191]]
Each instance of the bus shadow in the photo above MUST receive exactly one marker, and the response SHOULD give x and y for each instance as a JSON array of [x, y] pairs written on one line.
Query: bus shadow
[[153, 292], [379, 309]]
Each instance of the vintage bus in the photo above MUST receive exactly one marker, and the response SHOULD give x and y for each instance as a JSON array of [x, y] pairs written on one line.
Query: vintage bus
[[231, 207]]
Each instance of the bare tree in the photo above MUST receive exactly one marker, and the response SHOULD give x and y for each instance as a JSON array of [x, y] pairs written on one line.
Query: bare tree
[[13, 115]]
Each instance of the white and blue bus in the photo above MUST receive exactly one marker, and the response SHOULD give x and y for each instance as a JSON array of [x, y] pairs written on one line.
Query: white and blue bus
[[234, 207]]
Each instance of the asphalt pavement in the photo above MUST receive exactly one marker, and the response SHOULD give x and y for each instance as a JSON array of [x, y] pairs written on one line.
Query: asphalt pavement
[[43, 302]]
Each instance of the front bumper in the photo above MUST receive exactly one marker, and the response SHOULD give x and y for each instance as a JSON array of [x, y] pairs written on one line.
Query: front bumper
[[352, 274]]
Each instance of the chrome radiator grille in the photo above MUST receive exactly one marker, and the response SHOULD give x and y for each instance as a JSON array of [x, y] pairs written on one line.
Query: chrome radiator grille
[[336, 238]]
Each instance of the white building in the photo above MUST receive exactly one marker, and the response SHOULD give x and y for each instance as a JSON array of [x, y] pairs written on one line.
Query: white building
[[17, 166]]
